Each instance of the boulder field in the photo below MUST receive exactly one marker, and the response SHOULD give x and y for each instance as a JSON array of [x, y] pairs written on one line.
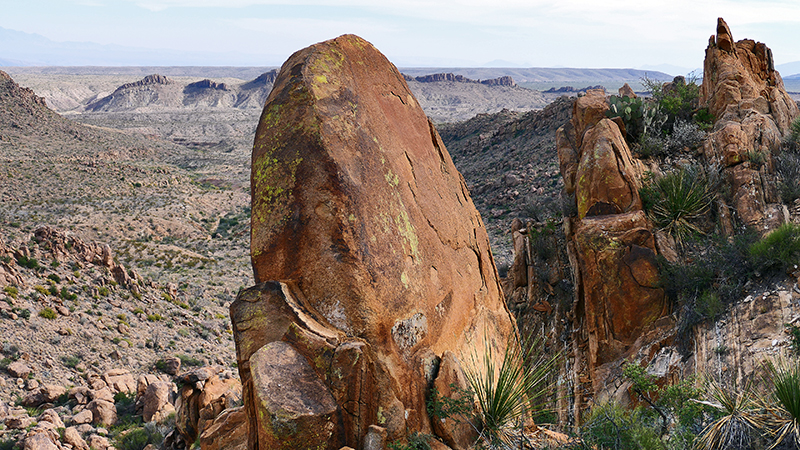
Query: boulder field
[[372, 263]]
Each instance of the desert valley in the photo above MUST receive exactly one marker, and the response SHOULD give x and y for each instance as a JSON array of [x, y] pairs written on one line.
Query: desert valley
[[340, 254]]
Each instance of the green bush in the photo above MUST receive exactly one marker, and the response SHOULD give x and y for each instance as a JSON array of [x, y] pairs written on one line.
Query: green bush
[[12, 291], [30, 263], [779, 250], [154, 317], [189, 361], [416, 441], [70, 361], [611, 426], [48, 313]]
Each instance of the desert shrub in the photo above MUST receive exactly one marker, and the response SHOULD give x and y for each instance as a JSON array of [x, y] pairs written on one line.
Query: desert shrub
[[711, 277], [674, 403], [48, 313], [154, 317], [103, 291], [779, 250], [678, 100], [67, 295], [188, 360], [70, 361], [704, 119], [791, 142], [794, 338], [611, 426], [54, 277], [684, 134], [30, 263], [12, 291], [416, 441], [677, 201], [788, 168]]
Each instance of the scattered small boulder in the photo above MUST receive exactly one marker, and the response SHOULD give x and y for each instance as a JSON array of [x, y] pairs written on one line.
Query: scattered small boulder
[[48, 393], [18, 369]]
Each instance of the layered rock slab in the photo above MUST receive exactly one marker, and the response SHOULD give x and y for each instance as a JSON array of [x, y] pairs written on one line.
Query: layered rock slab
[[383, 260]]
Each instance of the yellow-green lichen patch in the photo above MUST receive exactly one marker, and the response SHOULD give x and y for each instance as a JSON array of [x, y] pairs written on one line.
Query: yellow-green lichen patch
[[404, 279], [392, 178], [381, 417], [322, 79], [273, 181], [408, 232]]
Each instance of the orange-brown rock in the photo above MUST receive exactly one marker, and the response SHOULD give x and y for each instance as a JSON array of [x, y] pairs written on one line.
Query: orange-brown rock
[[228, 431], [607, 181], [360, 212], [753, 112], [610, 246], [619, 279]]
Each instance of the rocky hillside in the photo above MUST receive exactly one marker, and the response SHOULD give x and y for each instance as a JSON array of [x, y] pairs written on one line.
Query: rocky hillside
[[170, 223], [510, 164]]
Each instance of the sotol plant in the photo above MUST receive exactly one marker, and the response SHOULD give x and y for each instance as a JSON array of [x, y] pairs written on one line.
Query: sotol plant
[[506, 395]]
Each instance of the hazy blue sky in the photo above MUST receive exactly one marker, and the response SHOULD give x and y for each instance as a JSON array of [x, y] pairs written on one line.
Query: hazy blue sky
[[572, 33]]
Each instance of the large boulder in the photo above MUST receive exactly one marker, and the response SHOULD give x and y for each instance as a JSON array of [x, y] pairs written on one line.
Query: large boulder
[[383, 260], [753, 112]]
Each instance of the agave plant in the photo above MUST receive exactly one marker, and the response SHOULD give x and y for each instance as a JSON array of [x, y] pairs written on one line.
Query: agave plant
[[506, 395], [783, 416], [740, 415]]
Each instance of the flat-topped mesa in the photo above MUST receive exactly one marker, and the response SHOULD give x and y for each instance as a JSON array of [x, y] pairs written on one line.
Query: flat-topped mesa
[[753, 112], [360, 213]]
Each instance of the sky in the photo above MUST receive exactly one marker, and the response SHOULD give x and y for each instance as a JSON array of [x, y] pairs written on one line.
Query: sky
[[444, 33]]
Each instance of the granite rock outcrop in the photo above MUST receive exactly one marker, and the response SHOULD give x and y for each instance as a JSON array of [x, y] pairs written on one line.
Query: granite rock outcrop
[[371, 259]]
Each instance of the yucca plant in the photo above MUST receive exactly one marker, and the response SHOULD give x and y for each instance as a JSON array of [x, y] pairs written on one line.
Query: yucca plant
[[506, 395], [783, 416], [677, 201], [740, 416]]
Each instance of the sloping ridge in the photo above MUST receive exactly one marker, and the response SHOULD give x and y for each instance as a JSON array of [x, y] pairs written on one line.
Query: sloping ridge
[[159, 92]]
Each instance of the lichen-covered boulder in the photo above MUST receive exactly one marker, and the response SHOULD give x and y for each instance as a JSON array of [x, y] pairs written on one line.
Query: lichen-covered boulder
[[361, 221]]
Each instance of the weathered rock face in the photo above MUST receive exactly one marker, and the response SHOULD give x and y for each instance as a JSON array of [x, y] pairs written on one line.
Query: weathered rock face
[[610, 245], [358, 204], [753, 112]]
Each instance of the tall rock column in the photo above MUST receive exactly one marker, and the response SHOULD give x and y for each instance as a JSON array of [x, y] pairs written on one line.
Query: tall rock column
[[612, 249], [380, 261], [753, 112]]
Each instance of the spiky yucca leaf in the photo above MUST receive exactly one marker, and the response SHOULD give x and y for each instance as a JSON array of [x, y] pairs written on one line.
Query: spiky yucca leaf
[[783, 417], [740, 415], [506, 395], [682, 199]]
